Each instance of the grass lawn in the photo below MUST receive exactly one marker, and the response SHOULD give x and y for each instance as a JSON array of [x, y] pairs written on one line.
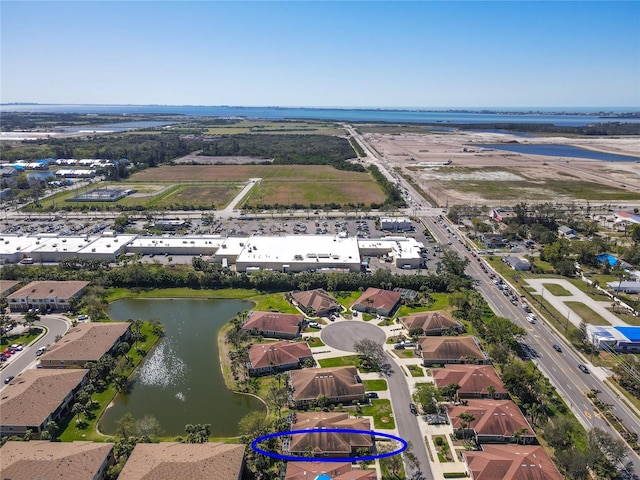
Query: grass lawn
[[441, 303], [380, 410], [588, 315], [416, 370], [627, 318], [315, 342], [556, 290], [404, 353], [347, 361], [274, 302], [375, 385], [346, 299], [24, 338]]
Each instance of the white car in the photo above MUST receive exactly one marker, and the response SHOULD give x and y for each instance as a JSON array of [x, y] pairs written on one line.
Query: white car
[[531, 318]]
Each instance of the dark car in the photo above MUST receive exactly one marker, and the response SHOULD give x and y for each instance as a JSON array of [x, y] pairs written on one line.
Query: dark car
[[583, 368], [557, 348], [8, 379], [372, 395], [412, 407]]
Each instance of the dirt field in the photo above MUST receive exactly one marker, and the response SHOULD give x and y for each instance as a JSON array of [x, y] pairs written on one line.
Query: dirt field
[[483, 176]]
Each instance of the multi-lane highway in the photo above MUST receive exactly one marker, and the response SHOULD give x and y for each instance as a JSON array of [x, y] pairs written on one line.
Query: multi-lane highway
[[561, 368]]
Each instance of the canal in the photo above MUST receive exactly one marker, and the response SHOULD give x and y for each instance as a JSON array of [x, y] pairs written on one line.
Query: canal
[[180, 381]]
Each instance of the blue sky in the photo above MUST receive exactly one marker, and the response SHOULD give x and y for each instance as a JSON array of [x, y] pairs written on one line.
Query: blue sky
[[322, 53]]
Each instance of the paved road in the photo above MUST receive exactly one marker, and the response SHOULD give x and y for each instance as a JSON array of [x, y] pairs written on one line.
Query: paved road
[[560, 368], [406, 422], [343, 335], [56, 325]]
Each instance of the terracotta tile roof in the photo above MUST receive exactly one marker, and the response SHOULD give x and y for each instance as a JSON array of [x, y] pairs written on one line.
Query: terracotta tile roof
[[32, 396], [337, 471], [274, 322], [473, 379], [86, 342], [450, 348], [172, 460], [44, 460], [49, 289], [492, 417], [430, 321], [318, 299], [329, 442], [311, 383], [512, 462], [381, 300], [278, 353], [6, 285]]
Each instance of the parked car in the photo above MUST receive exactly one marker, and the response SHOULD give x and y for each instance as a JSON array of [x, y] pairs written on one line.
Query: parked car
[[412, 407], [8, 379], [583, 368], [40, 351], [557, 348], [372, 395]]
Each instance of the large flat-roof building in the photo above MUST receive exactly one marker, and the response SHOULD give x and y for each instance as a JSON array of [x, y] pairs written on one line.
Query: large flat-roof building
[[45, 460], [36, 397], [46, 295], [299, 253], [86, 342]]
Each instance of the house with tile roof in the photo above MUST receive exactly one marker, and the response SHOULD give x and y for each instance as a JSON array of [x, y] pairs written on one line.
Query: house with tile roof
[[192, 461], [274, 324], [445, 350], [45, 460], [511, 462], [337, 384], [36, 397], [316, 302], [438, 322], [475, 381], [268, 358], [330, 444], [495, 421], [335, 471], [378, 301], [46, 295], [86, 342]]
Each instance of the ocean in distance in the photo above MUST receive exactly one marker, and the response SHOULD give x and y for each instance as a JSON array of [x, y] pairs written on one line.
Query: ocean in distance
[[560, 116]]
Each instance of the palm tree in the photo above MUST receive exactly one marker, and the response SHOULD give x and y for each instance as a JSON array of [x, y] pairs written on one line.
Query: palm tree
[[466, 419], [491, 390]]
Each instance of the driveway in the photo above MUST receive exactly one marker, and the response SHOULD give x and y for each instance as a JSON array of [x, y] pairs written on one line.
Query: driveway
[[342, 335]]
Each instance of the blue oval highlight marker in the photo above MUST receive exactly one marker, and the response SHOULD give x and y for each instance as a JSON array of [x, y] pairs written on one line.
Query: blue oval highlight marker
[[294, 458]]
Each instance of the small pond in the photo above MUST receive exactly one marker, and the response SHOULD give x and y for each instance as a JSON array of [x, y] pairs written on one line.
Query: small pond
[[180, 381]]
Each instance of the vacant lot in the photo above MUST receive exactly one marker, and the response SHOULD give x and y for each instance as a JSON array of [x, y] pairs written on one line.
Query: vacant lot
[[281, 184], [239, 173]]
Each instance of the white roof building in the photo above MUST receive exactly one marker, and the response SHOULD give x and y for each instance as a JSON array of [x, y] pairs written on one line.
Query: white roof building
[[297, 253]]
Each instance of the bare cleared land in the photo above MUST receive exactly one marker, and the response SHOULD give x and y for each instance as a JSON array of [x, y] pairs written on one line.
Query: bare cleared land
[[483, 176]]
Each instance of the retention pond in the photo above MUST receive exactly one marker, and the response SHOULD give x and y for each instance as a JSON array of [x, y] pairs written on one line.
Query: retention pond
[[180, 381]]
